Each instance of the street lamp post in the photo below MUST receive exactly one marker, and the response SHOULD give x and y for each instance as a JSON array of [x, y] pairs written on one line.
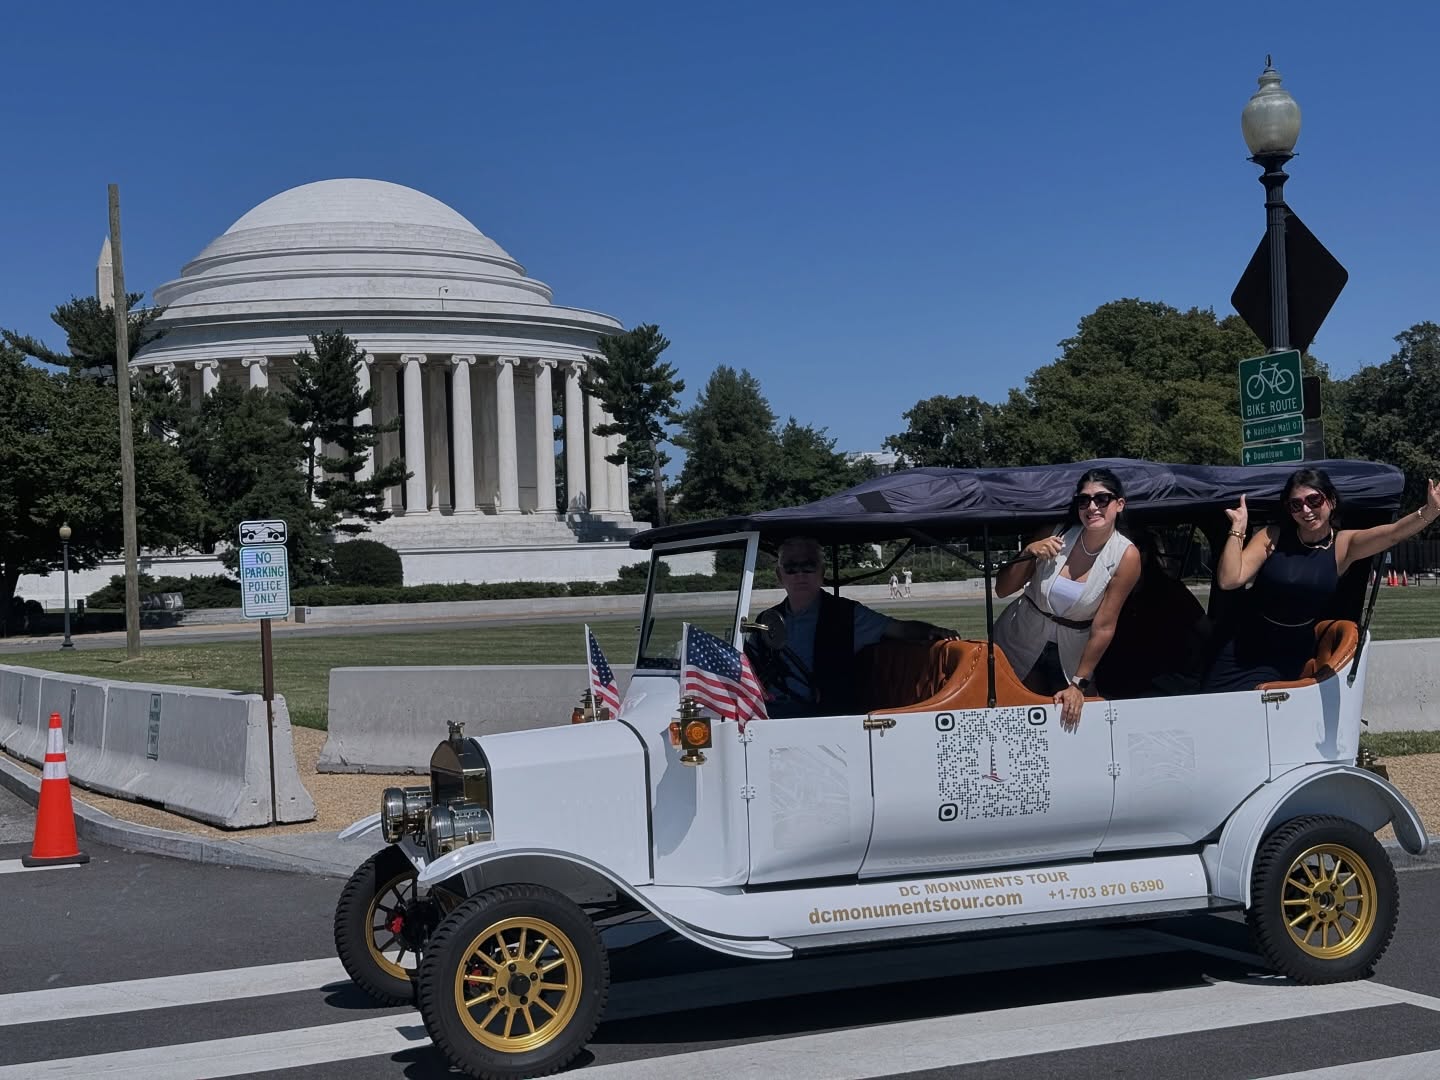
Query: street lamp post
[[1271, 125], [65, 535]]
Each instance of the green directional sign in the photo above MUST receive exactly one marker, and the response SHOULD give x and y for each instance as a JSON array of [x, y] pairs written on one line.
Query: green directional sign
[[1264, 430], [1273, 453], [1270, 387]]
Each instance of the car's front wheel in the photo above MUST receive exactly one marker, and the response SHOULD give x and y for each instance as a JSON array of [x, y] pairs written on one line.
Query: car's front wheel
[[1323, 900], [513, 982], [379, 927]]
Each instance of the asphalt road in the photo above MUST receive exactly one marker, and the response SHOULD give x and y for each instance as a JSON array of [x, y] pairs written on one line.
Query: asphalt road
[[1182, 998]]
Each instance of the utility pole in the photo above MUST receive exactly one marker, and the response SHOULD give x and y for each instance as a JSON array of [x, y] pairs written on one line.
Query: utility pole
[[127, 445]]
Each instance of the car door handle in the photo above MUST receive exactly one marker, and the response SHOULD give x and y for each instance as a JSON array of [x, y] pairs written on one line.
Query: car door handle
[[879, 723]]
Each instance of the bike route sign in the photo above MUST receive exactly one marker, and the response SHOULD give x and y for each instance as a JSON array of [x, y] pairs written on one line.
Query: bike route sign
[[264, 581], [1270, 387], [1273, 453]]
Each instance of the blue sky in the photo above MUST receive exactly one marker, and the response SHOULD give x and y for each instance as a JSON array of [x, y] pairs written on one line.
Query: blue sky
[[864, 204]]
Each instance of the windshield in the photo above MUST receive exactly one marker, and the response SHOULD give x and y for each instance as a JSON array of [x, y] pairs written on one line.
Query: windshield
[[698, 584]]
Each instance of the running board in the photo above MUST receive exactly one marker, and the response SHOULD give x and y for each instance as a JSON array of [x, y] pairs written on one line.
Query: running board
[[859, 939]]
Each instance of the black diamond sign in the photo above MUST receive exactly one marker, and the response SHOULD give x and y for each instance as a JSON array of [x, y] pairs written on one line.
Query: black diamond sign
[[1315, 282]]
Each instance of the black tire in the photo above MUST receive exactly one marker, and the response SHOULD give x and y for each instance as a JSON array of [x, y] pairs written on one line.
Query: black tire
[[486, 943], [1323, 900], [381, 891]]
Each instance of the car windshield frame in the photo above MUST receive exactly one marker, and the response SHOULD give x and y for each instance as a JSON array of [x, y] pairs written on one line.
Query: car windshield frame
[[747, 543]]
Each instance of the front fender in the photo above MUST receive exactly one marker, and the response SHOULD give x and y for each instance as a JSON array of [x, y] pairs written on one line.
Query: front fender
[[1339, 790], [485, 866], [360, 828]]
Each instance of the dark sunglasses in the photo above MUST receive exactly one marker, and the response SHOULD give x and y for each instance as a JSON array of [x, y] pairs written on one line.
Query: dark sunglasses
[[1101, 499], [1314, 501], [799, 567]]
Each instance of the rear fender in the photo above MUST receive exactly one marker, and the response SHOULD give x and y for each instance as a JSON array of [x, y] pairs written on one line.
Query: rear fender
[[484, 866], [1339, 790]]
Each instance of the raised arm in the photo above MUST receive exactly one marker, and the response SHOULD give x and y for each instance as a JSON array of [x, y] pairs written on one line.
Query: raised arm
[[1044, 545], [1357, 545], [1239, 561]]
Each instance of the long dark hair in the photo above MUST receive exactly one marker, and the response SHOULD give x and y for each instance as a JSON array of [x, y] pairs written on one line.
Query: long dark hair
[[1318, 479], [1106, 479]]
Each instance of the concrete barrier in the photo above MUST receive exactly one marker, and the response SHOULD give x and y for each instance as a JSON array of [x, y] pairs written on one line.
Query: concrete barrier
[[1402, 685], [201, 753], [389, 719], [20, 732]]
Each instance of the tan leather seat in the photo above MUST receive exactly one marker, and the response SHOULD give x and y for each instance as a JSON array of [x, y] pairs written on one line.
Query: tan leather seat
[[1336, 641], [906, 676]]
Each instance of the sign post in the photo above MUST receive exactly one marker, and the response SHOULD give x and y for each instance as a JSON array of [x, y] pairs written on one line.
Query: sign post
[[265, 593]]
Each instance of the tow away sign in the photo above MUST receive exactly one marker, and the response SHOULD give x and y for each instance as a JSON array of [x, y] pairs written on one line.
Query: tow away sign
[[264, 581]]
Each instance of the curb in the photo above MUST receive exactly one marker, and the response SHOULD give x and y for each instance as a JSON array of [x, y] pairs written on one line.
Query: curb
[[97, 825], [93, 824]]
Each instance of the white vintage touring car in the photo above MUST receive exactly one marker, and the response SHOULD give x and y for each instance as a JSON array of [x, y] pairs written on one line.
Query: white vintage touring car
[[948, 802]]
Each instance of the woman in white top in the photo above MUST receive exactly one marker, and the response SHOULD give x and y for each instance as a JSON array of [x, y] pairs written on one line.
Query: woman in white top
[[1056, 633]]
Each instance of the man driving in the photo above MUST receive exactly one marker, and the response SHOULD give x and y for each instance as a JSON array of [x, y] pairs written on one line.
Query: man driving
[[813, 674]]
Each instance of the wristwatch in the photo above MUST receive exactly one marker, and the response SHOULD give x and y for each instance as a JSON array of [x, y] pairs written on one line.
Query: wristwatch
[[1081, 684]]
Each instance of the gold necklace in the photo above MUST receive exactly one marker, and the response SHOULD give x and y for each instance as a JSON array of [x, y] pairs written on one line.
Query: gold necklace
[[1319, 545]]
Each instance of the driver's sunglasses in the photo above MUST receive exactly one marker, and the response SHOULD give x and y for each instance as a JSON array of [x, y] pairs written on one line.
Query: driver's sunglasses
[[1314, 501], [1101, 499], [799, 567]]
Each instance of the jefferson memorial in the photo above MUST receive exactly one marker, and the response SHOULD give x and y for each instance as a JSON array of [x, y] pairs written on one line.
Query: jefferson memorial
[[463, 347]]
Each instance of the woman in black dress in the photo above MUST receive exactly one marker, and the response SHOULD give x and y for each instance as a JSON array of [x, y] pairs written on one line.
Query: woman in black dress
[[1296, 567]]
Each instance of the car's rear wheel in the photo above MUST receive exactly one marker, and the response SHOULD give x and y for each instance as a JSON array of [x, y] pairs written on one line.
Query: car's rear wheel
[[513, 982], [1323, 900], [379, 927]]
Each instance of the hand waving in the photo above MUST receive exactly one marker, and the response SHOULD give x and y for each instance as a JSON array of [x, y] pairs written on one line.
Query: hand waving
[[1432, 500], [1239, 518]]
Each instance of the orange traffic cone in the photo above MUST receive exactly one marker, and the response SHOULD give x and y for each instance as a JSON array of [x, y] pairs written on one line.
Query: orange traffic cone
[[1404, 577], [1390, 579], [55, 843]]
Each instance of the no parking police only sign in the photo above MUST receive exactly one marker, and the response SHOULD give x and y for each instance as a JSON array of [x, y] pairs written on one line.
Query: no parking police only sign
[[264, 570]]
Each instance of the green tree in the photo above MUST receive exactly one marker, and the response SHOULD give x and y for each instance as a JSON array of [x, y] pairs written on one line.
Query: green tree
[[324, 398], [730, 443], [90, 336], [1389, 409], [249, 460], [952, 432], [640, 393], [60, 463], [1139, 379], [807, 467]]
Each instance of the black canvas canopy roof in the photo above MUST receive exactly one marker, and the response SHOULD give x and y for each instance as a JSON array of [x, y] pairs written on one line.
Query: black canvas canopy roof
[[958, 502]]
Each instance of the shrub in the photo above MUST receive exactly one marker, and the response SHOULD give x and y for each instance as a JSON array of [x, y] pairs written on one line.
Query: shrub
[[366, 562], [214, 591]]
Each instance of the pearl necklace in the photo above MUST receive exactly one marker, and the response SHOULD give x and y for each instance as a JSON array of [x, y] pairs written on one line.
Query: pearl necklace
[[1092, 554]]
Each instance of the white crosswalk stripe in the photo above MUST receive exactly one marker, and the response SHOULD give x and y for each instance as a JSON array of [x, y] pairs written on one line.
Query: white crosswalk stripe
[[15, 866], [857, 1053]]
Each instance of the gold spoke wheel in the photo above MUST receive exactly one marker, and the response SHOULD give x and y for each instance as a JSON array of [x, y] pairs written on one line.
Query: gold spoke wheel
[[518, 985], [392, 904], [1329, 901]]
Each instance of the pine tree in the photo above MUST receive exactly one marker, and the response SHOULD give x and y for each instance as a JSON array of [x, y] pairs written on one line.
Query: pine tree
[[731, 448], [325, 398], [90, 336], [640, 394]]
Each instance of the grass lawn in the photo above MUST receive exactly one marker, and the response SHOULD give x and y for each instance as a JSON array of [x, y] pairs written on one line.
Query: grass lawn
[[302, 664]]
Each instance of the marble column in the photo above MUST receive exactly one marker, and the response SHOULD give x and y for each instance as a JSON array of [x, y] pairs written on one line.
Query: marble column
[[366, 416], [575, 489], [464, 440], [544, 439], [437, 430], [194, 386], [615, 478], [505, 434], [259, 379], [595, 451], [387, 402], [209, 375], [625, 487], [416, 489]]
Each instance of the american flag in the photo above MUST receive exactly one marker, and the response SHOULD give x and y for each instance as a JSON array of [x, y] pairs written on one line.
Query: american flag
[[602, 679], [720, 677]]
